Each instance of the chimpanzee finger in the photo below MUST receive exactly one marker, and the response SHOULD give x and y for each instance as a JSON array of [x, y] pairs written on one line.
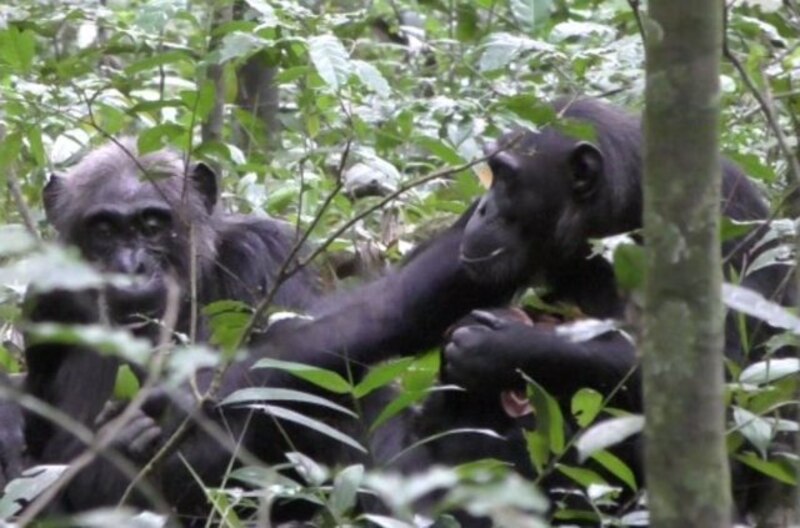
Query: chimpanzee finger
[[110, 410], [145, 440], [488, 319]]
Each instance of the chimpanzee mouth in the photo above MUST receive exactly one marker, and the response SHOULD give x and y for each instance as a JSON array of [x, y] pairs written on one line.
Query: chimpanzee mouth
[[482, 258], [137, 305]]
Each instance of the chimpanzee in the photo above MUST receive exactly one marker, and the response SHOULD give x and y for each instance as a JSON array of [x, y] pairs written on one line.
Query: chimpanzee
[[12, 434], [550, 194], [132, 214], [586, 191]]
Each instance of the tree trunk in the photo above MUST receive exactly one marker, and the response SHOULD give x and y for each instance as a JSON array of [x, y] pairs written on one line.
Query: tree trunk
[[688, 479], [212, 128]]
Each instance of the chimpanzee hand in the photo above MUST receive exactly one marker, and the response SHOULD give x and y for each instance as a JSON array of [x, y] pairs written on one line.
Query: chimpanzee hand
[[138, 437], [486, 352]]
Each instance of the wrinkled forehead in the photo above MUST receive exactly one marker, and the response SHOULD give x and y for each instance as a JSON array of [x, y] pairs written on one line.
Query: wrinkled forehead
[[115, 176], [129, 188]]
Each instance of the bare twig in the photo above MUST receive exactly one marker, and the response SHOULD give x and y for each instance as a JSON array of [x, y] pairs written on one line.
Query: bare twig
[[637, 15]]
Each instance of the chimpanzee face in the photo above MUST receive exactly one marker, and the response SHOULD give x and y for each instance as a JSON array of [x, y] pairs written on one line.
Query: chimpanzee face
[[135, 225], [541, 186], [134, 239]]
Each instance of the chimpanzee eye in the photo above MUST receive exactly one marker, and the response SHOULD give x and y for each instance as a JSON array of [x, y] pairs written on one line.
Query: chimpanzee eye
[[102, 228], [153, 225]]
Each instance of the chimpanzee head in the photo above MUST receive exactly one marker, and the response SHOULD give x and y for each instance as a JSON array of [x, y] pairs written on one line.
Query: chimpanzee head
[[131, 215], [550, 192]]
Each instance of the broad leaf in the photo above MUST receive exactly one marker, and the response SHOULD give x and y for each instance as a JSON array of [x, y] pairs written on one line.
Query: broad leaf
[[330, 59], [607, 433], [315, 425], [264, 394], [322, 378], [754, 304]]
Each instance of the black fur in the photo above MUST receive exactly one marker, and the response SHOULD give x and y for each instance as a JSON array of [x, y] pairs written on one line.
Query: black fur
[[132, 214], [550, 194]]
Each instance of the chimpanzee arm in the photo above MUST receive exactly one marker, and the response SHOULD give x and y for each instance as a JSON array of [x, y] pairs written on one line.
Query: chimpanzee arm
[[75, 379], [494, 352], [399, 314], [12, 441]]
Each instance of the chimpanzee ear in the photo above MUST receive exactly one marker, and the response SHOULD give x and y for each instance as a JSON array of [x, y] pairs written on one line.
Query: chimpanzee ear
[[52, 190], [205, 181], [586, 163]]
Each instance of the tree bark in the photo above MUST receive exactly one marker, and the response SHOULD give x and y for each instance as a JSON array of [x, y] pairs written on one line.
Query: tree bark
[[687, 471]]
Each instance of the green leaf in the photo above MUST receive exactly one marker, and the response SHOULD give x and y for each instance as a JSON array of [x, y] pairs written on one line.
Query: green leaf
[[769, 370], [584, 477], [372, 78], [17, 48], [52, 268], [30, 485], [731, 229], [326, 379], [10, 148], [330, 59], [345, 489], [753, 165], [403, 401], [606, 434], [159, 59], [127, 384], [467, 22], [423, 373], [779, 470], [576, 129], [267, 16], [538, 449], [240, 46], [440, 149], [157, 137], [35, 145], [315, 425], [381, 375], [617, 467], [530, 14], [530, 108], [256, 394], [754, 304], [382, 521], [201, 101], [499, 49], [103, 339], [227, 321], [586, 405], [629, 266], [549, 419], [307, 468], [432, 438], [757, 430]]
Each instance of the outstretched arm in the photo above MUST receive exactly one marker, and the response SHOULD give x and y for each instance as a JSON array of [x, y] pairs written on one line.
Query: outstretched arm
[[402, 313]]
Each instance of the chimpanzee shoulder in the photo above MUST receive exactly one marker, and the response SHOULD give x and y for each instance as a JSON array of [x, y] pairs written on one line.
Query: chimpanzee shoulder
[[251, 251]]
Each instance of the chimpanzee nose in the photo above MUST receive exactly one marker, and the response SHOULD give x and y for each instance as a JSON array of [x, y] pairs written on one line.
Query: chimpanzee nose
[[131, 261]]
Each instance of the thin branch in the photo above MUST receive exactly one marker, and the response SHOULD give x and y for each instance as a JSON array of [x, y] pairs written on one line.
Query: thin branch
[[768, 109], [637, 15], [19, 201]]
